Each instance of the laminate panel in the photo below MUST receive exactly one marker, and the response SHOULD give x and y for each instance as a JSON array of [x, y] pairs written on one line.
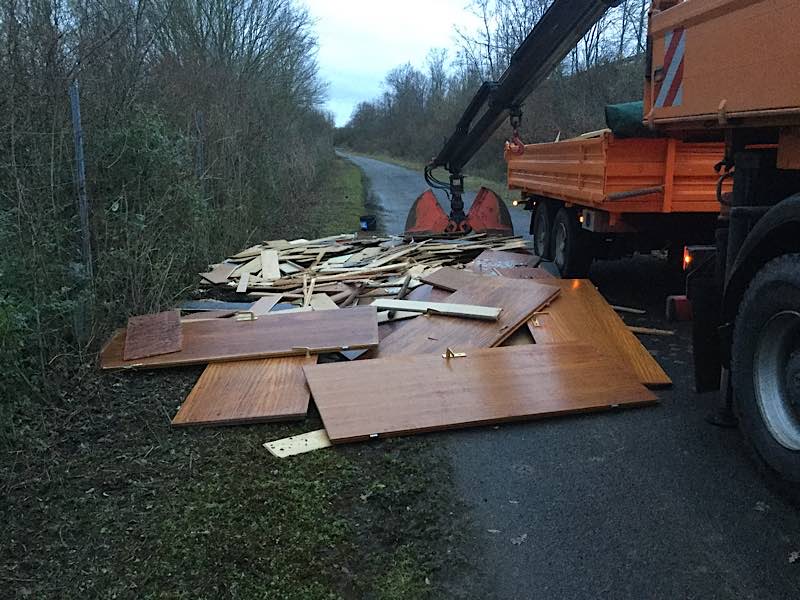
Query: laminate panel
[[580, 313], [448, 278], [221, 340], [249, 391], [153, 335], [486, 386], [526, 273], [435, 333]]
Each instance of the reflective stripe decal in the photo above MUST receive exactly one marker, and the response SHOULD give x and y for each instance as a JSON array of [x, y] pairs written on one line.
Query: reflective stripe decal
[[671, 93]]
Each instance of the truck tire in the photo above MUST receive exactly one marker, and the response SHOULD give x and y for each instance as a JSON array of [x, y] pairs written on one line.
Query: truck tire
[[542, 227], [570, 243], [766, 365]]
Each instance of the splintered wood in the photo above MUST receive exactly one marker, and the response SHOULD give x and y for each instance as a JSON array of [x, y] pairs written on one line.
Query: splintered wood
[[352, 270]]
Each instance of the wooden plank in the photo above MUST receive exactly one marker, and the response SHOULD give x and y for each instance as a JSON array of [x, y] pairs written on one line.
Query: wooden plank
[[244, 281], [270, 267], [526, 273], [251, 267], [485, 387], [391, 316], [467, 311], [651, 331], [208, 314], [448, 278], [299, 444], [219, 273], [434, 333], [580, 313], [323, 302], [248, 391], [489, 260], [221, 340], [265, 304], [153, 335]]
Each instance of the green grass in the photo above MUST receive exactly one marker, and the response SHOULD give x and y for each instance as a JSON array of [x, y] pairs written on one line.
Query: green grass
[[101, 498], [341, 201]]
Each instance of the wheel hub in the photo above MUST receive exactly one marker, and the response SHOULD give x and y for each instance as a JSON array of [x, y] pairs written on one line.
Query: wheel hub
[[776, 375]]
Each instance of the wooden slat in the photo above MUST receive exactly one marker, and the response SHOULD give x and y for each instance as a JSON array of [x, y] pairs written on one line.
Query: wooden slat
[[153, 335], [448, 278], [249, 391], [270, 268], [467, 311], [428, 393], [265, 304], [299, 444], [323, 302], [580, 313], [434, 333], [221, 340]]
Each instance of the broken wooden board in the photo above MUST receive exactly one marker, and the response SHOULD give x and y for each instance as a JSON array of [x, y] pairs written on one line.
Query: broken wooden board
[[466, 311], [219, 273], [433, 333], [448, 278], [489, 260], [525, 273], [270, 268], [221, 340], [248, 391], [265, 304], [208, 314], [299, 444], [580, 313], [153, 335], [484, 387]]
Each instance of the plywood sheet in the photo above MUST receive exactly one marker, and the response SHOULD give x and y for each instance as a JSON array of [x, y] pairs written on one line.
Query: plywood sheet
[[221, 340], [448, 278], [153, 335], [489, 260], [526, 273], [219, 274], [487, 386], [580, 313], [249, 391], [434, 333], [265, 304], [467, 311]]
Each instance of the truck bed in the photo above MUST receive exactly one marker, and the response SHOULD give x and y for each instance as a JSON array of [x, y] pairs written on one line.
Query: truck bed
[[636, 175]]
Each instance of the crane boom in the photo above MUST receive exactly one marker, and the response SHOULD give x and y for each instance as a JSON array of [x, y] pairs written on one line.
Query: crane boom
[[559, 30]]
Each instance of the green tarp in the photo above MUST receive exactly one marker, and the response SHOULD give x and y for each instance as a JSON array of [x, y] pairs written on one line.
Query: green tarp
[[625, 120]]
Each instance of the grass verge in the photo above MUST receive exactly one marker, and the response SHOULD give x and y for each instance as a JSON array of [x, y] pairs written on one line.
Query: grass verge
[[102, 498]]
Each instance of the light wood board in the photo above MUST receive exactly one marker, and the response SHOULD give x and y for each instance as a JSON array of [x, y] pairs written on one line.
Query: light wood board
[[489, 260], [486, 386], [435, 333], [153, 335], [270, 268], [467, 311], [299, 444], [580, 313], [221, 340], [248, 391]]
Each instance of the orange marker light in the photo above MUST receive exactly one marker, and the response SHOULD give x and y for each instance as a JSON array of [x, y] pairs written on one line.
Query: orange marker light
[[687, 259]]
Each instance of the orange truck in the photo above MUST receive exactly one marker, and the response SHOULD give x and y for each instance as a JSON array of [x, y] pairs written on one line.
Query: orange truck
[[721, 86], [600, 195]]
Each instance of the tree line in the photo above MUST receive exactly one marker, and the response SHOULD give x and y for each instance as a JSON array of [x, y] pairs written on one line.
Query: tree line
[[201, 130], [420, 106]]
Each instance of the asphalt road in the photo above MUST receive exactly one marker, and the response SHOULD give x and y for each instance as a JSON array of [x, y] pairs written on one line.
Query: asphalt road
[[640, 503], [394, 189]]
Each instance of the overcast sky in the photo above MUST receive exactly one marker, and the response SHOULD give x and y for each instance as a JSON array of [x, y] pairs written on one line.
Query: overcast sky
[[361, 40]]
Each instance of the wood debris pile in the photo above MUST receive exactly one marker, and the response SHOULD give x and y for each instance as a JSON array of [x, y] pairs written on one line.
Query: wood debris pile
[[348, 268], [423, 321]]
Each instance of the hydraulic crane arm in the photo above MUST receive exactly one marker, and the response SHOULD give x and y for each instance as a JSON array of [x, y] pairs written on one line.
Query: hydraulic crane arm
[[558, 31]]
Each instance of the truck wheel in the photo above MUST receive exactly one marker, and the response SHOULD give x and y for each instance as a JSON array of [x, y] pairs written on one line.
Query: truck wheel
[[766, 365], [541, 228], [571, 250]]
